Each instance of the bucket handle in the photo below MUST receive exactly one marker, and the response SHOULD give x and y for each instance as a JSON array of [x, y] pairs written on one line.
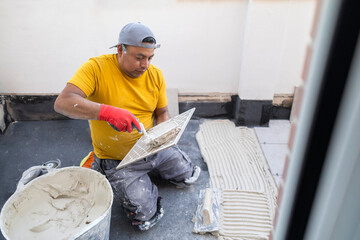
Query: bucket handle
[[21, 184]]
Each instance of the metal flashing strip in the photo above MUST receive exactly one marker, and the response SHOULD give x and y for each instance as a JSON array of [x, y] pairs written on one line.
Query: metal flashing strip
[[143, 148]]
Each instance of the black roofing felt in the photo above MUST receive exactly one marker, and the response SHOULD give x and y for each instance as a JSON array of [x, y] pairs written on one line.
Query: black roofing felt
[[32, 143]]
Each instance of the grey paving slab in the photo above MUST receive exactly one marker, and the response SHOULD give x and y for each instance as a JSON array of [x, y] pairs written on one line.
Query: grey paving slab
[[26, 144], [277, 132], [274, 140], [275, 155]]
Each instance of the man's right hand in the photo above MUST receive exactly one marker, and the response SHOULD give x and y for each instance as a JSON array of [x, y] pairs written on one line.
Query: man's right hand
[[120, 118]]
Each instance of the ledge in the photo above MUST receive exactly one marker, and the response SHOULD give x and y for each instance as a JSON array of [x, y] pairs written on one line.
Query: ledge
[[36, 107]]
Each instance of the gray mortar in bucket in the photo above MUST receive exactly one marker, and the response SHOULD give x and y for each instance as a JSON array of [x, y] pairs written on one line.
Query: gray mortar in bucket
[[67, 203]]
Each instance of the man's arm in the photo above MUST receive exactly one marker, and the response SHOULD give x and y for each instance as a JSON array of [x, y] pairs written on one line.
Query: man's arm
[[162, 114], [72, 103]]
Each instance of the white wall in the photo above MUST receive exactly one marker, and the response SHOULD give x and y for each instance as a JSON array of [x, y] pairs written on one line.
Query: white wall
[[276, 36], [43, 42], [251, 47]]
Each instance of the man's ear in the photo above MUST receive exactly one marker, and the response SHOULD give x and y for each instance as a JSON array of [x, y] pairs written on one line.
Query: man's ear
[[119, 49]]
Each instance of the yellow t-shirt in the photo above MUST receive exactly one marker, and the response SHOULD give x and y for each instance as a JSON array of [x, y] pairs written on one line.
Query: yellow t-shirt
[[101, 79]]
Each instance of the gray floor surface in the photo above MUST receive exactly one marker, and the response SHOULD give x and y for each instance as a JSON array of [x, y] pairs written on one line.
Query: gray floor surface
[[31, 143]]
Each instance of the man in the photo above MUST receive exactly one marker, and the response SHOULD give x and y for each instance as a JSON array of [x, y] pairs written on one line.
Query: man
[[120, 89]]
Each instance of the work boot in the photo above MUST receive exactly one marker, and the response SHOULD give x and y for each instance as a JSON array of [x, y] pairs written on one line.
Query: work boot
[[194, 177], [146, 225]]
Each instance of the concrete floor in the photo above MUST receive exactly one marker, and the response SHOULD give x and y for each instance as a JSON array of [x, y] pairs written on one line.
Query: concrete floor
[[26, 144]]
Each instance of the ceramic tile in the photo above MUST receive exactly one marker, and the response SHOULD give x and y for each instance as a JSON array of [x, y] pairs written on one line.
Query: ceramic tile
[[277, 179]]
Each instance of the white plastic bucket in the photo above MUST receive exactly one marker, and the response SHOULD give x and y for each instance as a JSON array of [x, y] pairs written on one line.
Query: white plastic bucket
[[66, 203]]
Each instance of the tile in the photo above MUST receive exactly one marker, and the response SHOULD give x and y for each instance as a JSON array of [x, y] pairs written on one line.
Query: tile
[[277, 180], [279, 124], [275, 155], [276, 133]]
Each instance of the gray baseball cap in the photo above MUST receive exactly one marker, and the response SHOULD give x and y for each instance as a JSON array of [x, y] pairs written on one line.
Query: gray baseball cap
[[134, 33]]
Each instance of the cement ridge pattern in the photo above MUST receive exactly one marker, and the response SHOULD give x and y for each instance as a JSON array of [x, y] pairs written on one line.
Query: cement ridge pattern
[[238, 168]]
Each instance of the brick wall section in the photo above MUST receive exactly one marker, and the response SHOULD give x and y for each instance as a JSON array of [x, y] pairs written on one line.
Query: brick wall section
[[296, 109]]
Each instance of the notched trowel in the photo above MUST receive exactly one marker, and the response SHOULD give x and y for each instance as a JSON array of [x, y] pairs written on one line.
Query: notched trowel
[[158, 138]]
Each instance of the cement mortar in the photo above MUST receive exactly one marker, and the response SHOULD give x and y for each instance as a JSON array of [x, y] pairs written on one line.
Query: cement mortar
[[58, 205]]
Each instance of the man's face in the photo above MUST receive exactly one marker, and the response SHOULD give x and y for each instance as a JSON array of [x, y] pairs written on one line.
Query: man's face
[[135, 61]]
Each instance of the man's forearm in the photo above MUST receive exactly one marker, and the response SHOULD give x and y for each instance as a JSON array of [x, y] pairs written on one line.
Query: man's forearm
[[76, 107], [72, 103], [162, 115]]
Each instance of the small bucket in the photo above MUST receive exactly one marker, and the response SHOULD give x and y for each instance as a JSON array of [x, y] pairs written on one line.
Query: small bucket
[[66, 203]]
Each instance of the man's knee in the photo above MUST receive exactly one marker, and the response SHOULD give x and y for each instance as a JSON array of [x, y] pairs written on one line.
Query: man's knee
[[138, 197], [140, 207], [140, 203], [174, 165]]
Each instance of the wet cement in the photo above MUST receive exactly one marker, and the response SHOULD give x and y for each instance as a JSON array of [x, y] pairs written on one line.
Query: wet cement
[[62, 204], [31, 143]]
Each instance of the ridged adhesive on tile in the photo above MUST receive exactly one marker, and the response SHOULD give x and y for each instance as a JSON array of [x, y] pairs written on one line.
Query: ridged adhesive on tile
[[238, 168], [144, 148], [245, 214]]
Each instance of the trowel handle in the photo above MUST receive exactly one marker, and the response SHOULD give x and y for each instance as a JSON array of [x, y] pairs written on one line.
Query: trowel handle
[[132, 125]]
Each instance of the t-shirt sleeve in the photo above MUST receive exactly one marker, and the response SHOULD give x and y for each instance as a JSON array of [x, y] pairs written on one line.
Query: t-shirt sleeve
[[85, 77], [162, 92]]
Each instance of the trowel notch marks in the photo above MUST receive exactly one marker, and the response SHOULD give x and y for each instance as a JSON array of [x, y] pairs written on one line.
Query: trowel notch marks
[[238, 168]]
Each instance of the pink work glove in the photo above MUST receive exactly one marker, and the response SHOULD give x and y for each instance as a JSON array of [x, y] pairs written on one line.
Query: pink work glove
[[122, 119]]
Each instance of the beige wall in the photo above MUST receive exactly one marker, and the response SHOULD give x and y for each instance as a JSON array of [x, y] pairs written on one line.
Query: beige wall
[[203, 42], [276, 35]]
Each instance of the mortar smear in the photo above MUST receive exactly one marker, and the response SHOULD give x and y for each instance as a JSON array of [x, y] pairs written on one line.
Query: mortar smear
[[57, 205]]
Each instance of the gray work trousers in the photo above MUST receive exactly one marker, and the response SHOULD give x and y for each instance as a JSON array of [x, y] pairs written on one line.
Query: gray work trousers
[[132, 185]]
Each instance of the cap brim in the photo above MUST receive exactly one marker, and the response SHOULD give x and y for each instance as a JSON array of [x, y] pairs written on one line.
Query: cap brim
[[144, 45], [114, 46]]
